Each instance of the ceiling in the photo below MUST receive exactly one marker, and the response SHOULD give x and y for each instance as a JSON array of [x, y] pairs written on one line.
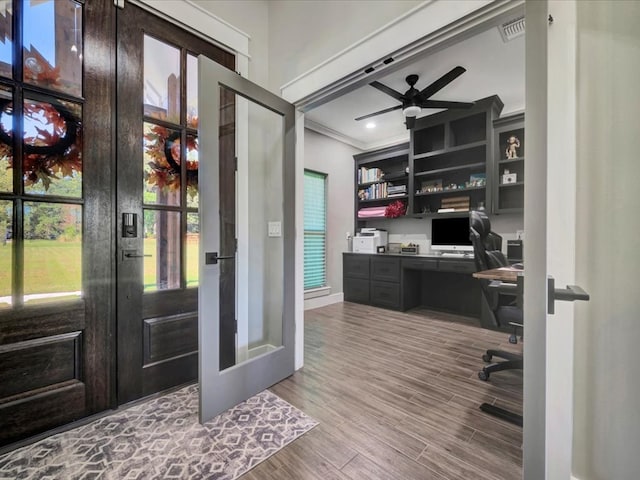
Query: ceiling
[[494, 67]]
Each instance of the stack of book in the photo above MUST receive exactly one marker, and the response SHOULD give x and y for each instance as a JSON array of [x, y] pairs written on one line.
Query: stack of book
[[454, 204], [396, 190]]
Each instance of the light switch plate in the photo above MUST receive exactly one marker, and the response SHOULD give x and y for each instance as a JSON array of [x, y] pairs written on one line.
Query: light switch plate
[[275, 229]]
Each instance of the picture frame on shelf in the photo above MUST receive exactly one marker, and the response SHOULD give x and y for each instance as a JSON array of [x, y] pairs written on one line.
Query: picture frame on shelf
[[477, 180], [431, 186]]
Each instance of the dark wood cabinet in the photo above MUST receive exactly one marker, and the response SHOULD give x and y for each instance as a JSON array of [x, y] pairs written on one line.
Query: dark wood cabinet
[[400, 283], [386, 269], [356, 266], [385, 294], [380, 286]]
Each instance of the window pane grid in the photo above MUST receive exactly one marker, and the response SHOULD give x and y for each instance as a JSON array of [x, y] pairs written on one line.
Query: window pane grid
[[41, 209], [170, 166]]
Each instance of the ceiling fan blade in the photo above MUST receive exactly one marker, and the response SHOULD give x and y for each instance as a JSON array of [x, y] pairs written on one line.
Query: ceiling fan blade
[[387, 90], [445, 104], [397, 107], [442, 82], [410, 122]]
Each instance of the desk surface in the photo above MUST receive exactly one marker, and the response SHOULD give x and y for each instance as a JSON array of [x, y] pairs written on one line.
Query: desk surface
[[504, 274]]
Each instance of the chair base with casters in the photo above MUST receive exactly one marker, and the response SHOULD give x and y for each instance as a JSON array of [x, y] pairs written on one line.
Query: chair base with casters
[[513, 361], [502, 413]]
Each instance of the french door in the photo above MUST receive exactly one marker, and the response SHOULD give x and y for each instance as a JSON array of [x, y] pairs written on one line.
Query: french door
[[55, 213], [158, 189], [234, 111]]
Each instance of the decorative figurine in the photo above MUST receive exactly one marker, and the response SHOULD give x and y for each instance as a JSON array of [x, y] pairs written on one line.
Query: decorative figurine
[[512, 144]]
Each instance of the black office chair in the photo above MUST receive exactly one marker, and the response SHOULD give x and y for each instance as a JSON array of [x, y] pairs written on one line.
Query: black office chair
[[498, 310]]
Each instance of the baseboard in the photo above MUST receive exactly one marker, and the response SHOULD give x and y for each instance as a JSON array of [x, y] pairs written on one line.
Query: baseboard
[[323, 301]]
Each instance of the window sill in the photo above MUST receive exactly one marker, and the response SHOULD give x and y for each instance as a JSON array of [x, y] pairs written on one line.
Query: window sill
[[317, 292]]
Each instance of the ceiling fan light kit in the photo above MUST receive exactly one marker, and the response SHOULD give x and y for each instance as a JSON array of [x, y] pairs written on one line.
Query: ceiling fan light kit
[[414, 100], [411, 111]]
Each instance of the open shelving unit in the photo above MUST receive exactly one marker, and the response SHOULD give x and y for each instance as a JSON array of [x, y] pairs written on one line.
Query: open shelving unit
[[448, 163], [509, 196], [451, 152], [377, 175]]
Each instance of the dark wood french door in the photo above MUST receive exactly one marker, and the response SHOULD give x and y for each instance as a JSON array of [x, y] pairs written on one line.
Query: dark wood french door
[[56, 213], [157, 196]]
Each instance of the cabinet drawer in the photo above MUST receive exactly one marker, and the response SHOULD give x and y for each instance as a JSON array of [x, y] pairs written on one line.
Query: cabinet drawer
[[355, 266], [419, 264], [384, 294], [457, 266], [386, 269], [356, 290]]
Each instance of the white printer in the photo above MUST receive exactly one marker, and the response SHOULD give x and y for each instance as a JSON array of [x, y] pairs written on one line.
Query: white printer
[[368, 240]]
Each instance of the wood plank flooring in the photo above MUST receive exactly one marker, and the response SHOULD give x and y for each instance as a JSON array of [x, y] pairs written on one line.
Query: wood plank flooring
[[397, 397]]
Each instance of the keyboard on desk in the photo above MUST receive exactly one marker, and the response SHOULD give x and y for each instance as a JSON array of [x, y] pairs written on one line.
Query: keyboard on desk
[[457, 255]]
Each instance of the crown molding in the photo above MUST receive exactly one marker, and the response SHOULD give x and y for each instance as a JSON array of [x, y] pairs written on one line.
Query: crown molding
[[341, 137]]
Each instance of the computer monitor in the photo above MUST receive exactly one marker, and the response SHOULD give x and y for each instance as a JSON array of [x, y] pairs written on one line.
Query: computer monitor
[[451, 234]]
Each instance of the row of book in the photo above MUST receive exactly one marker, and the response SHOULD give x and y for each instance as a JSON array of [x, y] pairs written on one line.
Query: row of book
[[373, 192], [366, 175], [382, 190]]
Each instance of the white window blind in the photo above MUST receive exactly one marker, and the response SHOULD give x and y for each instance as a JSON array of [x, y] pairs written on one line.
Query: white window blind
[[315, 230]]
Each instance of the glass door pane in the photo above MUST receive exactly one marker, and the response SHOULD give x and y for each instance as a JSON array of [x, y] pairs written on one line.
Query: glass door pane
[[260, 329]]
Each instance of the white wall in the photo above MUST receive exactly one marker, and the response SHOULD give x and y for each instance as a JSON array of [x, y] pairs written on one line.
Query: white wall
[[252, 17], [302, 34], [607, 364], [326, 155]]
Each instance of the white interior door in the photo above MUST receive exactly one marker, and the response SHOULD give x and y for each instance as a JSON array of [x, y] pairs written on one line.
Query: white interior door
[[241, 123], [582, 380], [550, 232]]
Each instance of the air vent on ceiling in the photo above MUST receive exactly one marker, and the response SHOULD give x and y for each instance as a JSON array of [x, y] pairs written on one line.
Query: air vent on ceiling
[[512, 29]]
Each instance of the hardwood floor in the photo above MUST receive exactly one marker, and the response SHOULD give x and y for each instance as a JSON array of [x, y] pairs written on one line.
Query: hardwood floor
[[397, 397]]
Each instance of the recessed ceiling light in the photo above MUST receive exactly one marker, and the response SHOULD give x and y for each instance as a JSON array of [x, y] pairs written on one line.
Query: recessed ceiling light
[[371, 125]]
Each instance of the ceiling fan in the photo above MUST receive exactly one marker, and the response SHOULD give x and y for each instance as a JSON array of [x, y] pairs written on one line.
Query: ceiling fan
[[414, 100]]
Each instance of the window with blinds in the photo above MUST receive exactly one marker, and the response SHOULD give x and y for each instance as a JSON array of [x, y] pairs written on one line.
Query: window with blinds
[[315, 229]]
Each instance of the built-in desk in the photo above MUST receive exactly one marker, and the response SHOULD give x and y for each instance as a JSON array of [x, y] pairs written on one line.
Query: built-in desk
[[402, 282]]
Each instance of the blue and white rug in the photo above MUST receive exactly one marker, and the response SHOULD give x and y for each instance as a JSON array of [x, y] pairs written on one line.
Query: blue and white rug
[[162, 438]]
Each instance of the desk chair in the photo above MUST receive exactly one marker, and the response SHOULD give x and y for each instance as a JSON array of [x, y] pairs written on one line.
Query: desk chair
[[498, 311]]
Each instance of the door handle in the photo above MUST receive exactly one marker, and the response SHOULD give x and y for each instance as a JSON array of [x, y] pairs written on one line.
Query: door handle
[[211, 258], [133, 254], [569, 294]]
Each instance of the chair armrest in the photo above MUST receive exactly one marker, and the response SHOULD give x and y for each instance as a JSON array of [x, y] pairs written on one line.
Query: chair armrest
[[504, 288]]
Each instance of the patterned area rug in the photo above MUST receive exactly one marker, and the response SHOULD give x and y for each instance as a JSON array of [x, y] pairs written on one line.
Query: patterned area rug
[[162, 438]]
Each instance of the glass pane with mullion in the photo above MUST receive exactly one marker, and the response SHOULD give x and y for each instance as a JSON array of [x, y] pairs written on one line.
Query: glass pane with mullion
[[6, 252], [192, 170], [52, 251], [192, 91], [162, 263], [52, 44], [162, 157], [52, 152], [162, 90], [192, 246], [6, 139], [6, 45]]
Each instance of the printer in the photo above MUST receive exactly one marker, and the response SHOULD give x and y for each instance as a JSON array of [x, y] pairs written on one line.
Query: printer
[[368, 240]]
